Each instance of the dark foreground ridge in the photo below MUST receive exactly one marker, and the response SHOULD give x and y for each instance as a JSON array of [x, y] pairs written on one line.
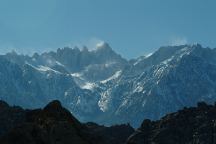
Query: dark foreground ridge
[[187, 126], [54, 125]]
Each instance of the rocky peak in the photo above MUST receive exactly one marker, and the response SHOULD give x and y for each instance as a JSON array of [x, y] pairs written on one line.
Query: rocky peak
[[55, 110], [103, 49], [12, 53], [36, 55], [168, 53], [55, 105], [68, 50], [85, 49], [103, 46]]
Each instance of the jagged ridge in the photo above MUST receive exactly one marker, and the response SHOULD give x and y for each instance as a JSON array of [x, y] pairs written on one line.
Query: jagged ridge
[[103, 87], [55, 124]]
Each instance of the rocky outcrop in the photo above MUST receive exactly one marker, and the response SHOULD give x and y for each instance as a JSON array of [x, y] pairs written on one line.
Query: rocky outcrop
[[54, 125], [187, 126], [10, 117]]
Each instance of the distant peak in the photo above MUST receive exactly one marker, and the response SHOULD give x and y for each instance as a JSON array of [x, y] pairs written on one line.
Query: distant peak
[[68, 50], [103, 45], [35, 55], [85, 49], [165, 49], [13, 52], [196, 45]]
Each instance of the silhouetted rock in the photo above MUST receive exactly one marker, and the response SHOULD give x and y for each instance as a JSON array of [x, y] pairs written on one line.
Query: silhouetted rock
[[116, 134], [187, 126], [54, 125], [10, 117]]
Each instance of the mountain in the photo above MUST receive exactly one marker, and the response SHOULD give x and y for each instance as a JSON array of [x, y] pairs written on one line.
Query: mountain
[[32, 87], [168, 80], [54, 124], [93, 65], [195, 125], [67, 75], [101, 86]]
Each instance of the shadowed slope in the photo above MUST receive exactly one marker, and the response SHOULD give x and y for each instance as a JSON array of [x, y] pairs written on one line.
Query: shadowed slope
[[53, 125], [187, 126]]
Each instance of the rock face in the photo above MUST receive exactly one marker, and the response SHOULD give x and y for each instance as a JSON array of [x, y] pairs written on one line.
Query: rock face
[[164, 82], [54, 125], [67, 75], [10, 117], [187, 126]]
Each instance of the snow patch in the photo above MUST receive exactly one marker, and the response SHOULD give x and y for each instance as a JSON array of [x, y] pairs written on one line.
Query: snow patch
[[138, 61], [138, 89], [88, 85], [185, 51], [78, 100], [78, 75], [167, 60], [141, 58], [66, 94], [43, 68], [105, 100], [115, 76], [60, 64], [100, 44], [143, 103], [148, 55]]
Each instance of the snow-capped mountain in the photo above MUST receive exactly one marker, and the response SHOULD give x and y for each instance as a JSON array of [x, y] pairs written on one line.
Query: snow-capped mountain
[[101, 86], [169, 79]]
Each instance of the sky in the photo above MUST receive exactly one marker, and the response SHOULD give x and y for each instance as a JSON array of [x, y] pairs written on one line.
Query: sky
[[131, 27]]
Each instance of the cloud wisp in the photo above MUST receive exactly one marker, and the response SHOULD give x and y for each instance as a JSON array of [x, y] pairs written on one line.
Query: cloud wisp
[[176, 41], [91, 43]]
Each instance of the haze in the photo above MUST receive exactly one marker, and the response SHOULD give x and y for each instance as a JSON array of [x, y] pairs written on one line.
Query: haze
[[132, 28]]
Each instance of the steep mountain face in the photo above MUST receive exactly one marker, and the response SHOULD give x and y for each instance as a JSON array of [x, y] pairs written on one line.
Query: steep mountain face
[[94, 65], [67, 75], [195, 125], [31, 87], [101, 86], [54, 124], [169, 79]]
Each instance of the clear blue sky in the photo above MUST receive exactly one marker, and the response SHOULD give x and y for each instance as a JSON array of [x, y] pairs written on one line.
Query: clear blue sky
[[131, 27]]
